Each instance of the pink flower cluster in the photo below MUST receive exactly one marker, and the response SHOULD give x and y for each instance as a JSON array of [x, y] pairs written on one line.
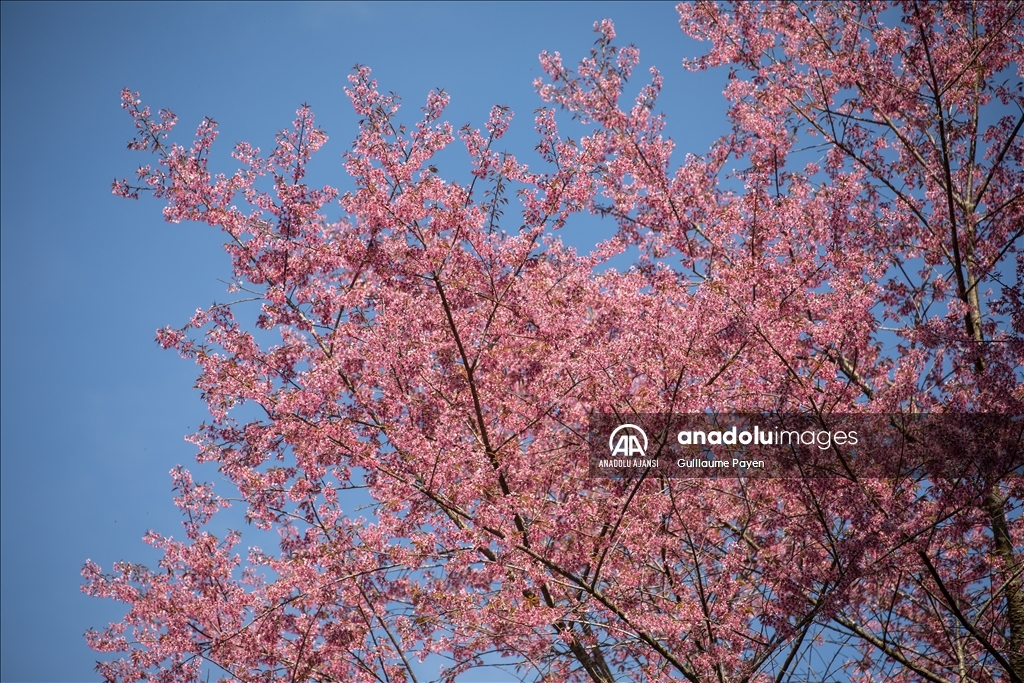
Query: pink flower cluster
[[441, 352]]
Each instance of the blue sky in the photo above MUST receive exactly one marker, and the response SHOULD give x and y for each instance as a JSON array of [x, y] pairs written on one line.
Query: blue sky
[[93, 412]]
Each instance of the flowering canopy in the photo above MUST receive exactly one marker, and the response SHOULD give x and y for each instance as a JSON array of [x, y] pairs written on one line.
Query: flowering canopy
[[442, 352]]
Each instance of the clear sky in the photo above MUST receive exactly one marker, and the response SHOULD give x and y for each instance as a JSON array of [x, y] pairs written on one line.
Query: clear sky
[[93, 412]]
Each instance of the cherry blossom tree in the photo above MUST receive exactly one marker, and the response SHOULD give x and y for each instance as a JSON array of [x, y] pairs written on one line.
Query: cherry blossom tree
[[438, 351]]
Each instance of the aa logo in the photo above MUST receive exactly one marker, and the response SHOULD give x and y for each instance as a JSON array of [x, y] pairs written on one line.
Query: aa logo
[[631, 442]]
